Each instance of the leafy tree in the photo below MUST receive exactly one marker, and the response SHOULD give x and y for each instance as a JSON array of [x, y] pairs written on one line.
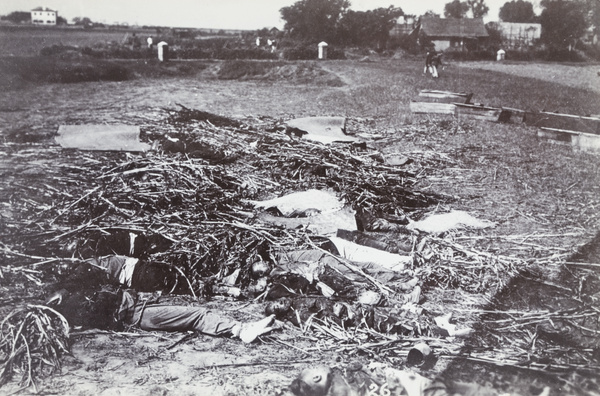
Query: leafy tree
[[456, 9], [368, 28], [85, 21], [431, 14], [478, 8], [353, 28], [495, 34], [314, 20], [61, 21], [518, 11], [563, 22], [18, 17], [594, 13], [384, 20]]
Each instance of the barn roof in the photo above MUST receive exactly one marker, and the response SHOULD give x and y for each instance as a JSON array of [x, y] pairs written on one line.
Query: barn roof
[[453, 27]]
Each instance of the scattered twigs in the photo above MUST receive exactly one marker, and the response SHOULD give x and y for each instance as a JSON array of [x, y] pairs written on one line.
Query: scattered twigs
[[581, 264], [534, 366], [32, 340], [63, 211], [180, 340]]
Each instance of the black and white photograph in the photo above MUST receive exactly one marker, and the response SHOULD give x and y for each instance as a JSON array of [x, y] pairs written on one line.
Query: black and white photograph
[[300, 197]]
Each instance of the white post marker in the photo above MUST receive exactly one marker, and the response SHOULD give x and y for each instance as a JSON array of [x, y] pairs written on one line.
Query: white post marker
[[322, 50]]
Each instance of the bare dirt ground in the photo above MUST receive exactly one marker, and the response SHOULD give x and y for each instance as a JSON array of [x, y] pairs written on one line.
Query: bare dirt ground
[[545, 199]]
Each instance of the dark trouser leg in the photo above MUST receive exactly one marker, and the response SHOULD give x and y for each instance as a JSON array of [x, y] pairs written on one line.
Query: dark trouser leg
[[181, 318]]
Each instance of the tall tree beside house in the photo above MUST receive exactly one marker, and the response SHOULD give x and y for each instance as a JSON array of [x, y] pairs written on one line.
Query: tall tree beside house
[[478, 8], [456, 9], [563, 22], [314, 20], [517, 11], [353, 29], [17, 17], [594, 14], [381, 21], [432, 14]]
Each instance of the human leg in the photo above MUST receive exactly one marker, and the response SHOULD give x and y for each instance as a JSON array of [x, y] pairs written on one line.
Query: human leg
[[182, 318]]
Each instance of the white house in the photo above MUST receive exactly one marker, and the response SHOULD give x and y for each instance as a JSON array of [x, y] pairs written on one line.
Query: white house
[[43, 16], [404, 26], [455, 33], [520, 35]]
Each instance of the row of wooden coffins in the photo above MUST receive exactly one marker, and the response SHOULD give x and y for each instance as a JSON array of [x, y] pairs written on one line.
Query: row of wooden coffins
[[581, 132]]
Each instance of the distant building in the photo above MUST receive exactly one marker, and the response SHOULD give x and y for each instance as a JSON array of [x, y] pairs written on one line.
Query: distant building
[[590, 36], [43, 16], [518, 35], [454, 33], [404, 26]]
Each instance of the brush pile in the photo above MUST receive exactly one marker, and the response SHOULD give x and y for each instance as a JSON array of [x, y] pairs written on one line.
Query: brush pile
[[194, 198], [32, 341], [191, 198]]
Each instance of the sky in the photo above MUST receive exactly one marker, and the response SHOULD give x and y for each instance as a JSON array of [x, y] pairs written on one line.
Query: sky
[[213, 14]]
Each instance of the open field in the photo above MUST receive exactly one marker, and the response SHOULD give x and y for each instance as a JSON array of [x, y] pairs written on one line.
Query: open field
[[27, 41], [582, 76], [30, 40], [544, 199]]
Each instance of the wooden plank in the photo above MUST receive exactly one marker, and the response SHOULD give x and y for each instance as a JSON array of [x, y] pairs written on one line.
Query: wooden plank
[[580, 140], [558, 136], [478, 112], [432, 108], [429, 95], [567, 122], [508, 114]]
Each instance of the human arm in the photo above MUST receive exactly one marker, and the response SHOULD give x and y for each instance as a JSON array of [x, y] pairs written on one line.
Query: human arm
[[248, 332]]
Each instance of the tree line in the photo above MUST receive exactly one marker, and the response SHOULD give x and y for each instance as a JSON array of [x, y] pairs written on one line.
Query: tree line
[[333, 21], [563, 21]]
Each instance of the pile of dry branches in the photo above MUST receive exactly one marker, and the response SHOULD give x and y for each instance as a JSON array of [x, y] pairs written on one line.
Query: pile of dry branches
[[194, 197], [32, 341]]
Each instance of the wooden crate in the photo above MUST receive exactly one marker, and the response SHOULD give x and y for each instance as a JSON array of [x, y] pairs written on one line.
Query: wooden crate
[[515, 116], [478, 112], [432, 108], [429, 95], [579, 140], [566, 122]]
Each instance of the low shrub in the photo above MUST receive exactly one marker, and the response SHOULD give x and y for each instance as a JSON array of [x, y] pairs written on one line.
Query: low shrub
[[545, 54], [310, 52], [561, 55], [301, 52], [222, 53], [592, 52], [519, 55]]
